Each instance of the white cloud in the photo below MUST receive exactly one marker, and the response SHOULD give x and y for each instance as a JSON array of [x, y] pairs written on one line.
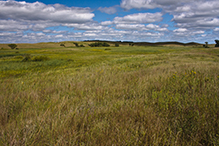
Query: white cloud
[[40, 12], [180, 30], [185, 33], [54, 31], [12, 25], [199, 32], [149, 4], [194, 20], [156, 27], [140, 27], [131, 26], [216, 29], [198, 14], [138, 4], [139, 18], [86, 26], [59, 36], [106, 23], [108, 10]]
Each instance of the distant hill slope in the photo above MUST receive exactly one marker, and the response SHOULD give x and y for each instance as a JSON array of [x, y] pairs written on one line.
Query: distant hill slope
[[86, 43], [148, 43]]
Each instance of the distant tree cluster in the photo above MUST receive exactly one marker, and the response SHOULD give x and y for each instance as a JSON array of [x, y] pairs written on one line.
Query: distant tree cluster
[[98, 44]]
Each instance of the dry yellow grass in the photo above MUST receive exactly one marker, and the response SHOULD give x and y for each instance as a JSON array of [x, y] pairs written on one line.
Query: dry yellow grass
[[149, 99]]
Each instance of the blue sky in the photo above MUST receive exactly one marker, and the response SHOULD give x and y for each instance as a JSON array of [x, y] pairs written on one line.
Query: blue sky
[[117, 20]]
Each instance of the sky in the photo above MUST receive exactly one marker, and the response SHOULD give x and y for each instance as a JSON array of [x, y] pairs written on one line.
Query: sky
[[33, 21]]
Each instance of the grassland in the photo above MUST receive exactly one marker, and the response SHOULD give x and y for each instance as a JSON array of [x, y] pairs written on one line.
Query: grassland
[[161, 95]]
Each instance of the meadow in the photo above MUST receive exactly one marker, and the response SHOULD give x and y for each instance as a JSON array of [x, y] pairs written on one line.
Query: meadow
[[126, 95]]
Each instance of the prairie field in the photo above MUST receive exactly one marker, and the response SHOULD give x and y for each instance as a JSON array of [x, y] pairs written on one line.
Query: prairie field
[[126, 95]]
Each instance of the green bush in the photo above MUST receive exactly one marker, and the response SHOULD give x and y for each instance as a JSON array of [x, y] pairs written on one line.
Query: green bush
[[116, 45]]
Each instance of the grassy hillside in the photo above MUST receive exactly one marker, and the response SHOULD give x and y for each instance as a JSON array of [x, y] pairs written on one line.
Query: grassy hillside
[[160, 95]]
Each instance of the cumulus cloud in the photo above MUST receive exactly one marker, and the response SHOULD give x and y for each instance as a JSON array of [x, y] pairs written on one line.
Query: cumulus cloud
[[40, 12], [85, 26], [182, 32], [139, 18], [156, 27], [131, 26], [18, 25], [198, 14], [191, 19], [12, 25], [108, 10], [106, 23], [149, 4], [54, 31], [216, 29], [140, 27]]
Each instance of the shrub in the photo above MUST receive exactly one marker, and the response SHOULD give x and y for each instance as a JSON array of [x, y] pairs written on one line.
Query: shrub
[[82, 45], [12, 46], [18, 57], [76, 44], [131, 44], [117, 45], [26, 58], [62, 45], [40, 58], [70, 60]]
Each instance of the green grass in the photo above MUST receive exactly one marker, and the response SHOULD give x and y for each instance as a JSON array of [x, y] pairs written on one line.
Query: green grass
[[122, 96]]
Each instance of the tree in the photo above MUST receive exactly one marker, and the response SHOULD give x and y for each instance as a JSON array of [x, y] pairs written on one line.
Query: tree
[[12, 46], [217, 43], [206, 45]]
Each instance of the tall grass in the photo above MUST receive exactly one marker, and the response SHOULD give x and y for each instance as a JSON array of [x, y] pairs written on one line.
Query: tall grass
[[166, 98]]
